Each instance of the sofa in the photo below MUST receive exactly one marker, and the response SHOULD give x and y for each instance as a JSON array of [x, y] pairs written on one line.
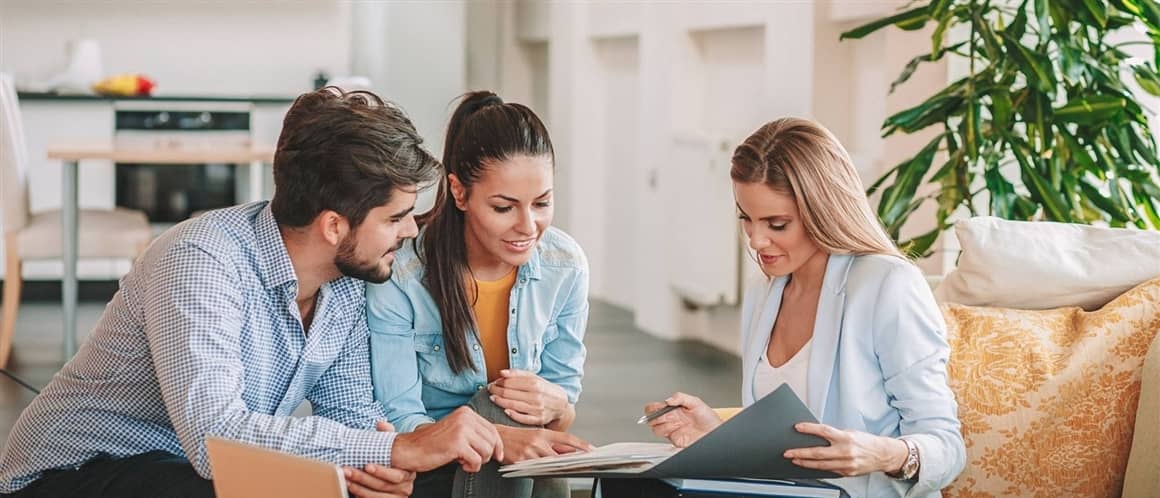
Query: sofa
[[1055, 363]]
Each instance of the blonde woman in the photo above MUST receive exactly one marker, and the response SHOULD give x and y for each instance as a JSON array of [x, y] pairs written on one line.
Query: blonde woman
[[842, 317]]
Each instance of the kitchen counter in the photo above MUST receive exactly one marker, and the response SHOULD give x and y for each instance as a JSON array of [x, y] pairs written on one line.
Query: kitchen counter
[[254, 99]]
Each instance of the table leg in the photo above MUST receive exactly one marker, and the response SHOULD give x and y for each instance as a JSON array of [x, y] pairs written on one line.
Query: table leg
[[68, 287]]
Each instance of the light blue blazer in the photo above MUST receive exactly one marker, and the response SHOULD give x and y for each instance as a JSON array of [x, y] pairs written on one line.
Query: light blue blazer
[[877, 365]]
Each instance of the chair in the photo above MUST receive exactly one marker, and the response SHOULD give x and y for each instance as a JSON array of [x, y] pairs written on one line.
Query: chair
[[103, 233]]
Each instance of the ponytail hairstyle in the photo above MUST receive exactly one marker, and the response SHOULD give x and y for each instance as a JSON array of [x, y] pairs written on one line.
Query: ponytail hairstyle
[[483, 131]]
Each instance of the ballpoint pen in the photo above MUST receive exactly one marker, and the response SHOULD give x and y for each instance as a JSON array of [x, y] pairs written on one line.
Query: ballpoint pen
[[652, 416]]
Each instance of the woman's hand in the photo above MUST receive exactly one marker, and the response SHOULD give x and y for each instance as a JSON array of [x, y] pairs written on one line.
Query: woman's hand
[[686, 424], [529, 399], [851, 453], [527, 443]]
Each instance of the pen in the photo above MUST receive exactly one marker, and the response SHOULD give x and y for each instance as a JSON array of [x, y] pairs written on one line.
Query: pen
[[652, 416]]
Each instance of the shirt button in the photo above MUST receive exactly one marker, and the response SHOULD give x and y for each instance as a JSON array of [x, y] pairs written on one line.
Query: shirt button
[[479, 387], [475, 347], [524, 280], [514, 350], [436, 348], [513, 311]]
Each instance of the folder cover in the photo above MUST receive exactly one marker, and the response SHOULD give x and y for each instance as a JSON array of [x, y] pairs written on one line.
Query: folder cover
[[749, 445]]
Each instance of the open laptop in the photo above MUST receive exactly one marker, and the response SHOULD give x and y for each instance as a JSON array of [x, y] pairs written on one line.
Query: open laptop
[[245, 471]]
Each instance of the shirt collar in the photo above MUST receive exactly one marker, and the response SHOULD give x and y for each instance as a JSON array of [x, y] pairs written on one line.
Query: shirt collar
[[275, 260]]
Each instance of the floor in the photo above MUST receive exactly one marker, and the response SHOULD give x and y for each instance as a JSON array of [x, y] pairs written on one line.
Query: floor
[[625, 369]]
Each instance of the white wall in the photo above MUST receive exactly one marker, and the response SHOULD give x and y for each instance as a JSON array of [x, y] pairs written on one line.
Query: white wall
[[187, 47], [715, 71]]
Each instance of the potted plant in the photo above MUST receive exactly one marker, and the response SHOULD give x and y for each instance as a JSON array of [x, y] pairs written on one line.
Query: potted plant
[[1042, 127]]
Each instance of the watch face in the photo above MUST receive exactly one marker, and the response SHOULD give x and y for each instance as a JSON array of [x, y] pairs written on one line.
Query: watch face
[[910, 467]]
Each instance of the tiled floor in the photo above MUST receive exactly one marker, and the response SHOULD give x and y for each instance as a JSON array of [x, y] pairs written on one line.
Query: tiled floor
[[625, 369]]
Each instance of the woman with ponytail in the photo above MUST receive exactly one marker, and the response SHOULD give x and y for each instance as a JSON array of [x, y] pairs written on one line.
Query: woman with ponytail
[[487, 309]]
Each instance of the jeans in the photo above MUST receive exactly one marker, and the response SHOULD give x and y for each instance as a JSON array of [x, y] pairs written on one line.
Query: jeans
[[148, 475], [450, 481]]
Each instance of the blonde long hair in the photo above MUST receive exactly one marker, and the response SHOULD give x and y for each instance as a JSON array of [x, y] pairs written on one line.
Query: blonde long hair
[[801, 158]]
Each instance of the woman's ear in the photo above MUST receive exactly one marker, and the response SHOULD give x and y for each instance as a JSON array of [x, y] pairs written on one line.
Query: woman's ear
[[458, 192]]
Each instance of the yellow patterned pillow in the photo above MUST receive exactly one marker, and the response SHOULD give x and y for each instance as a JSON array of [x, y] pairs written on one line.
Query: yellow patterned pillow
[[1048, 398]]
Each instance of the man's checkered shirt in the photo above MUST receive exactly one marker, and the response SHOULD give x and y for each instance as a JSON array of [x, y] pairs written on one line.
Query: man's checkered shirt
[[202, 338]]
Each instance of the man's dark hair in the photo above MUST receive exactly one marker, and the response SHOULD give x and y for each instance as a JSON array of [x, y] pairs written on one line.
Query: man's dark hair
[[345, 152]]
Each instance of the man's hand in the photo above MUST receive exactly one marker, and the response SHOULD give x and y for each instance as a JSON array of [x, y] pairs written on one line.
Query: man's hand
[[462, 436], [529, 399], [376, 481], [527, 443]]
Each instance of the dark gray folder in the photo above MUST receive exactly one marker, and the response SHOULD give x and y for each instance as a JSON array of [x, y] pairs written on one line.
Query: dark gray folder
[[749, 445]]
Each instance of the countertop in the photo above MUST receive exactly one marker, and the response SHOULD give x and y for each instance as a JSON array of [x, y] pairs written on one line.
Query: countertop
[[56, 97]]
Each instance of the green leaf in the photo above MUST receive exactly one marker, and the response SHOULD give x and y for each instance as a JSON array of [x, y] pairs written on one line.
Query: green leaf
[[1018, 26], [1078, 153], [1043, 15], [909, 18], [896, 198], [1002, 194], [1148, 79], [1034, 65], [1054, 205], [934, 110], [1146, 148], [1098, 10], [1105, 204], [1092, 109], [912, 66], [919, 247]]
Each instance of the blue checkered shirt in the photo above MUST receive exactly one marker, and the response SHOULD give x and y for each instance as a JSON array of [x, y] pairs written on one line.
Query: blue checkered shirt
[[204, 338]]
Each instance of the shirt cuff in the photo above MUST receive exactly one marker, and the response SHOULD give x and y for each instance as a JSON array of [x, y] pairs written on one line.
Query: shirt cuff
[[363, 447]]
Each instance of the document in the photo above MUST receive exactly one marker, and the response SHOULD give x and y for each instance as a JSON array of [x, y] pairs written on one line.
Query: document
[[749, 445]]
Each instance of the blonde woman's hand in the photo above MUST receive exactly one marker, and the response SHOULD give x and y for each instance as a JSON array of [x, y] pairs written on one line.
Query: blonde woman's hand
[[686, 424], [529, 399], [850, 453]]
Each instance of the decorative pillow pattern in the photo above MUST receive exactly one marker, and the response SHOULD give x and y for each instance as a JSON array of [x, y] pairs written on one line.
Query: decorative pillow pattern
[[1048, 398]]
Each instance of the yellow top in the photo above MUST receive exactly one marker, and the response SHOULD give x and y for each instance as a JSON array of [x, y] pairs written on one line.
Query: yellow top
[[491, 318]]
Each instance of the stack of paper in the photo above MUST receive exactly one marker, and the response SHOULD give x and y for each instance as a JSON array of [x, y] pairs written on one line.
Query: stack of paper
[[620, 457]]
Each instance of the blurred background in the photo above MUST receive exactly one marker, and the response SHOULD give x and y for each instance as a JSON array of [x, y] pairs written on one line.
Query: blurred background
[[645, 102]]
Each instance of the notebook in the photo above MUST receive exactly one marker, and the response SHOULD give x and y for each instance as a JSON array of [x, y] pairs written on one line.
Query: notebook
[[245, 471], [771, 487]]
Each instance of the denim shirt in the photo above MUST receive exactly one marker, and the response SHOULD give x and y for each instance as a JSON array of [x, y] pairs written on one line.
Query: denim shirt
[[548, 314]]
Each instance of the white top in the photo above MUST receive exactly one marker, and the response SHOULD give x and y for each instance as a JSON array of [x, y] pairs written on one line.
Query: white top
[[792, 372]]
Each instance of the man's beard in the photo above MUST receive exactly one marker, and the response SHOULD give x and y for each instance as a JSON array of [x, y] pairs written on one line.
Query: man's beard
[[348, 263]]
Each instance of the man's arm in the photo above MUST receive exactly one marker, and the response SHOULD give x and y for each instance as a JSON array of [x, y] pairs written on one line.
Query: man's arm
[[193, 321]]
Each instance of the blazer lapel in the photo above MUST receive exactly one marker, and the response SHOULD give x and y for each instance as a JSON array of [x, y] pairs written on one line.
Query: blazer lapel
[[758, 333], [827, 332]]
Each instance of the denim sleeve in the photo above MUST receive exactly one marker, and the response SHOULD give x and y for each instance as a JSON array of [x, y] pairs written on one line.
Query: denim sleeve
[[910, 341], [562, 362], [398, 384], [193, 324], [344, 393]]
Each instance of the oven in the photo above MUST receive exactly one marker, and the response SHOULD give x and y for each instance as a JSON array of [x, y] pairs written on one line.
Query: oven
[[170, 193]]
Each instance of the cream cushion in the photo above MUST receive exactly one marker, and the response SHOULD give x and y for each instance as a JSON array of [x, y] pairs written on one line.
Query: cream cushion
[[1043, 265], [1142, 479], [116, 233]]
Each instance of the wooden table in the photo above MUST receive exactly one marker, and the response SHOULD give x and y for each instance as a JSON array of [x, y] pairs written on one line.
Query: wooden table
[[71, 155]]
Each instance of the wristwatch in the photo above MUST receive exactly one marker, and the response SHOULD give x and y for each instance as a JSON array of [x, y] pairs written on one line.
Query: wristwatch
[[910, 466]]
